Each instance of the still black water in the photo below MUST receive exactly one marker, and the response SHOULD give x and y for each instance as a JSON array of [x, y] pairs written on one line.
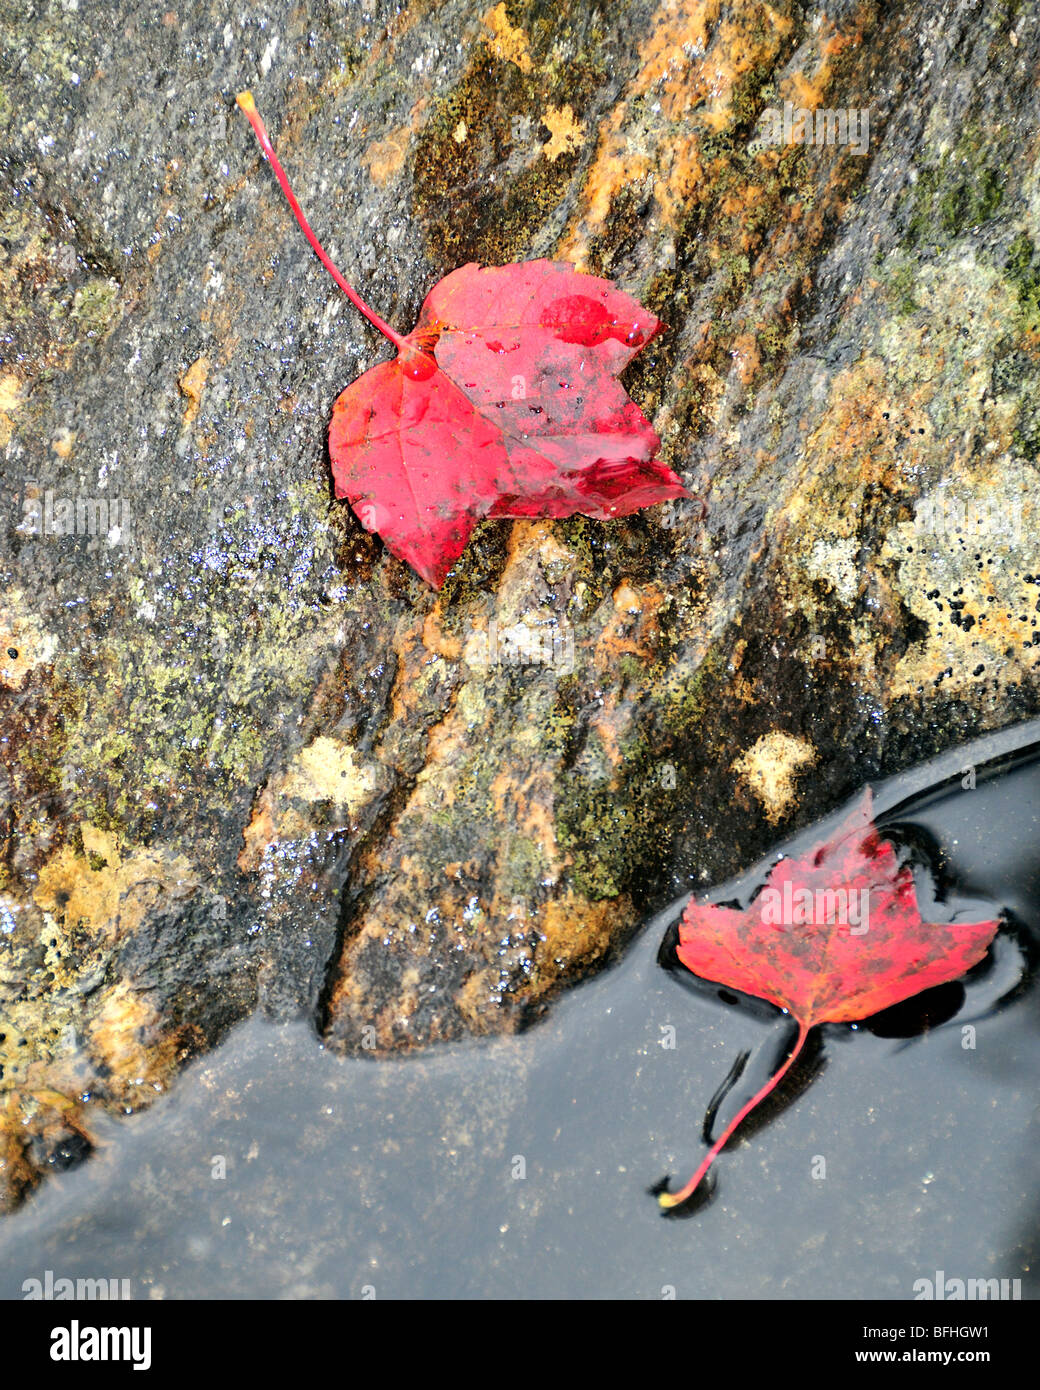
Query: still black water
[[897, 1148]]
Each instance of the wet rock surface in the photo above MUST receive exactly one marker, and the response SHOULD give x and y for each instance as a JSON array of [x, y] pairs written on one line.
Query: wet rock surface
[[249, 759]]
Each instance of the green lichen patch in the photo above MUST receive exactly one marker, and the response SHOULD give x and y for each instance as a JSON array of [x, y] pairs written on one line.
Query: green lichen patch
[[1023, 270], [961, 190], [177, 697], [95, 306]]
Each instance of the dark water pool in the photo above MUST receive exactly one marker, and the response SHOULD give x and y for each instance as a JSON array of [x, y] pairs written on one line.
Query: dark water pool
[[522, 1167]]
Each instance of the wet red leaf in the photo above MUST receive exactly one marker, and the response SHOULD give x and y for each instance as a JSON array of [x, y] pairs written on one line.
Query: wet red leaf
[[503, 402], [520, 414], [831, 938]]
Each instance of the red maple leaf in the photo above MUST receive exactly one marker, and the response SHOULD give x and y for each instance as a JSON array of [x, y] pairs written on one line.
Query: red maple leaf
[[831, 938], [502, 402]]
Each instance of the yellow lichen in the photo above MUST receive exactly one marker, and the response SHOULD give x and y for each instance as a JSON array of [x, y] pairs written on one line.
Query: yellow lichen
[[137, 1049], [24, 643], [11, 395], [769, 767], [109, 898], [192, 383], [325, 771], [566, 133], [64, 442], [978, 616], [384, 158], [507, 43], [11, 392]]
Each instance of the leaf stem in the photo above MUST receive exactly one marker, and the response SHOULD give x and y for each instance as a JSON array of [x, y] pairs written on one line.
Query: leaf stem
[[674, 1199], [245, 101]]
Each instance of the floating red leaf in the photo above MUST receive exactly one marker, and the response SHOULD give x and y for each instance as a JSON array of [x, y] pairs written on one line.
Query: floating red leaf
[[503, 402], [833, 937]]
